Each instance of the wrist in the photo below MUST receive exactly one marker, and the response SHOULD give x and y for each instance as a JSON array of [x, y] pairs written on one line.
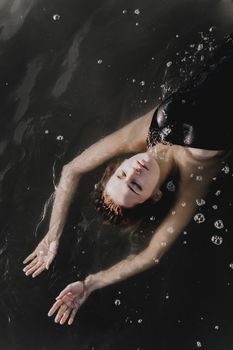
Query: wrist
[[90, 284]]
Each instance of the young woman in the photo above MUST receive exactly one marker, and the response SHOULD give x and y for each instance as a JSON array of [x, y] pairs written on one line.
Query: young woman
[[183, 133]]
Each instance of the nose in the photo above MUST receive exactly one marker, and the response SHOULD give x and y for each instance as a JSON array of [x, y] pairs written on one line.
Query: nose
[[132, 172]]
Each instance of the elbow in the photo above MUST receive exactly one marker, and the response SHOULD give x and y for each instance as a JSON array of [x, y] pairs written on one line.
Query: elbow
[[69, 172]]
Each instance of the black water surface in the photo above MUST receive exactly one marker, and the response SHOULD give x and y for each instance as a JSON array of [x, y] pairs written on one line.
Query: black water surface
[[71, 72]]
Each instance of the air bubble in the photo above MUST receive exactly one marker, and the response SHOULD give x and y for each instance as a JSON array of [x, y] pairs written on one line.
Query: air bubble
[[60, 137], [137, 12], [199, 344], [171, 187], [200, 47], [56, 17], [199, 178], [219, 224], [200, 202], [142, 83], [199, 218], [99, 61], [169, 64], [231, 266], [117, 302], [217, 240], [124, 11], [226, 169]]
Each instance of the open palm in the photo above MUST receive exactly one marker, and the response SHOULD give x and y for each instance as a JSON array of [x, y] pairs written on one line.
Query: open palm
[[68, 302], [41, 258]]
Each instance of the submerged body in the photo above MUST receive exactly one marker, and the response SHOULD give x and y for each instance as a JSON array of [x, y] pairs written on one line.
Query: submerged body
[[171, 137]]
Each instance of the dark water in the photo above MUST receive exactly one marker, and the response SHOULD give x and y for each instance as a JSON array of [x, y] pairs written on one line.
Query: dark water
[[71, 72]]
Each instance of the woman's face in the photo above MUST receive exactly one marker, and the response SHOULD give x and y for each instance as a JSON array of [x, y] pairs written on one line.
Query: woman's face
[[134, 181]]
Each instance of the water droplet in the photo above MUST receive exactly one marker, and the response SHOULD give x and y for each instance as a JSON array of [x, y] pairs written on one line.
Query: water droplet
[[167, 296], [199, 344], [137, 12], [170, 229], [56, 17], [117, 302], [142, 83], [217, 193], [231, 266], [173, 212], [199, 218], [163, 244], [217, 240], [215, 207], [140, 320], [183, 204], [219, 224], [200, 47], [46, 132], [60, 137], [152, 218], [133, 80], [156, 261], [216, 327], [136, 24], [169, 64], [124, 11], [200, 202], [100, 61]]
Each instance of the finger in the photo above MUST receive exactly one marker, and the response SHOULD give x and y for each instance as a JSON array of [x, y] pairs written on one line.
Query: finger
[[29, 257], [39, 270], [54, 308], [60, 313], [33, 269], [30, 265], [65, 291], [49, 261], [65, 316], [72, 316]]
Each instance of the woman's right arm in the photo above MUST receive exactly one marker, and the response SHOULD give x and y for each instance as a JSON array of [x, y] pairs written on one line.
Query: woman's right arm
[[129, 139]]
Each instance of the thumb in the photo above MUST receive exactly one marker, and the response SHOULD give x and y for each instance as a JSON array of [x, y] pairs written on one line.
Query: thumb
[[65, 291]]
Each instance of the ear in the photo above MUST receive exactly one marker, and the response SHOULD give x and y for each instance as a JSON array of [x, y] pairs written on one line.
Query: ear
[[157, 196]]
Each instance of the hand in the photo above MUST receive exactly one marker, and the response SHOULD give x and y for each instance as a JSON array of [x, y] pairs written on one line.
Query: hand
[[68, 302], [41, 258]]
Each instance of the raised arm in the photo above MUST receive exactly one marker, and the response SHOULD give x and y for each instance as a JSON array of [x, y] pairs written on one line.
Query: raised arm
[[190, 189], [130, 138]]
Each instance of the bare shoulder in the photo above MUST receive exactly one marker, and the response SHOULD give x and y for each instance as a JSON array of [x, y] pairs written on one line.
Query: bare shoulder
[[202, 154]]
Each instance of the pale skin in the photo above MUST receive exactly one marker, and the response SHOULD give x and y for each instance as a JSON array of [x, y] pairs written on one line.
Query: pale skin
[[127, 186]]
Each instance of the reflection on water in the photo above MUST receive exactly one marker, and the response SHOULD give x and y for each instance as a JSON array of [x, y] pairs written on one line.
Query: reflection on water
[[70, 73]]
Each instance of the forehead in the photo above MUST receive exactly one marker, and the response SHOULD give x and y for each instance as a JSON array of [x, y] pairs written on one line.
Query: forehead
[[120, 193]]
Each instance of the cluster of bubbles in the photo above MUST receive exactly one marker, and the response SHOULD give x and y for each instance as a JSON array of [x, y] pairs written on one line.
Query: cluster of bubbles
[[188, 59]]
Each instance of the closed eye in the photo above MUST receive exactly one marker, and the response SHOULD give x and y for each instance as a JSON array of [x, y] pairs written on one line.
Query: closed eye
[[137, 185]]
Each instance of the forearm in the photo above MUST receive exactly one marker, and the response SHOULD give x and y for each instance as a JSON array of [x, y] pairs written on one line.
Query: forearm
[[63, 196]]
